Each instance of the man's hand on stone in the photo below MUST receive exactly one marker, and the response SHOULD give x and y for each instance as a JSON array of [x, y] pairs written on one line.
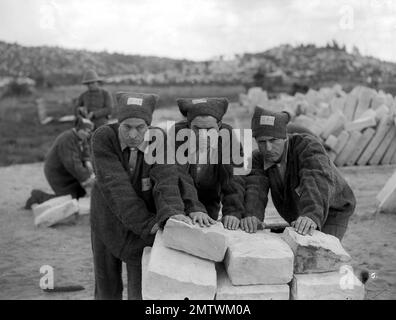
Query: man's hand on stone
[[304, 225], [231, 222], [182, 217], [202, 218], [250, 224]]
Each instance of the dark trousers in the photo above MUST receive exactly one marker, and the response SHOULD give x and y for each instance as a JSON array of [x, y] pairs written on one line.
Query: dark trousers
[[108, 273]]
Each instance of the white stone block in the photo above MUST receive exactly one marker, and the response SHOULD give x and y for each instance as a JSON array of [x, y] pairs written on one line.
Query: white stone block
[[56, 214], [341, 285], [145, 263], [227, 291], [387, 196], [204, 242], [40, 208], [258, 258], [84, 206], [175, 275], [317, 253]]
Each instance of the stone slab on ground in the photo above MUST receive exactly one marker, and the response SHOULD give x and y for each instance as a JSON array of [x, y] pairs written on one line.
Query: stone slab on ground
[[364, 140], [387, 196], [340, 285], [383, 147], [382, 129], [175, 275], [40, 208], [317, 253], [56, 214], [347, 151]]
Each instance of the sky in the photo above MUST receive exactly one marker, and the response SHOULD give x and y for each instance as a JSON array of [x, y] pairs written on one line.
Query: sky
[[200, 29]]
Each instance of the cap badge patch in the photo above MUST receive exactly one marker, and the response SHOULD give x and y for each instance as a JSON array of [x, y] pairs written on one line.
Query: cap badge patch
[[196, 101], [135, 101], [267, 120]]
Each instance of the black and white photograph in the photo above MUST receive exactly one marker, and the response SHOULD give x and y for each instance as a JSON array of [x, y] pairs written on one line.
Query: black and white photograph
[[210, 152]]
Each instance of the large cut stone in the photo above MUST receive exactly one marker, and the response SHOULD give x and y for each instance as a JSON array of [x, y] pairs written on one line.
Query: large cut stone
[[383, 127], [204, 242], [57, 213], [387, 196], [346, 153], [227, 291], [317, 253], [84, 206], [383, 147], [364, 140], [258, 258], [40, 208], [175, 275], [145, 263], [342, 285]]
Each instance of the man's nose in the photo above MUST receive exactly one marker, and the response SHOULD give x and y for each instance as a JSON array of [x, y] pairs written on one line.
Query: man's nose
[[133, 133], [268, 146]]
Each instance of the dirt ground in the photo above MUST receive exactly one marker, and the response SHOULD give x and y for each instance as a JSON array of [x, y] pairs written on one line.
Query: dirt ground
[[24, 249]]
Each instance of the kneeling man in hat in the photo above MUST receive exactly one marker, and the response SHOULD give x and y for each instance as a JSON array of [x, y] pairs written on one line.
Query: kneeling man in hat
[[130, 198], [67, 165], [307, 189], [206, 186]]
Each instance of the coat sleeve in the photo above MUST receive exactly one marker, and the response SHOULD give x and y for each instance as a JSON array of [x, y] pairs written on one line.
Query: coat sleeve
[[233, 193], [167, 197], [107, 108], [232, 185], [256, 189], [188, 191], [72, 159], [317, 182], [114, 183]]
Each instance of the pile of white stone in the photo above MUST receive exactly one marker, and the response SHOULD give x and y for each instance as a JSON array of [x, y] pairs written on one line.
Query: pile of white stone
[[386, 198], [59, 210], [187, 261]]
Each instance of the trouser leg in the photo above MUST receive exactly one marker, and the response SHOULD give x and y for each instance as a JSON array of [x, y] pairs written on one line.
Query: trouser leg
[[134, 270], [108, 271]]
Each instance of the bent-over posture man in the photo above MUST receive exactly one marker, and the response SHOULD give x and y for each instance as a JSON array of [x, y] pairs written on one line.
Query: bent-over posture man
[[307, 189], [208, 187]]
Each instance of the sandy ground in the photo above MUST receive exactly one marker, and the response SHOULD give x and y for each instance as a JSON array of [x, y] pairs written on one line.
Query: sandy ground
[[24, 249]]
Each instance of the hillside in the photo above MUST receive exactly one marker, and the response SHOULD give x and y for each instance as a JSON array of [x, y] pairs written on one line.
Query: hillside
[[314, 65]]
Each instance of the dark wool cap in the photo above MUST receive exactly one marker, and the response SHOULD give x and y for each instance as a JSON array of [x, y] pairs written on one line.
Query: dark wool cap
[[136, 105], [191, 108], [269, 124]]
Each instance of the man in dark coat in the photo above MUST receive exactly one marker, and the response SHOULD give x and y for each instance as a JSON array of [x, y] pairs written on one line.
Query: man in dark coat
[[67, 165], [96, 103], [130, 199], [307, 189], [208, 187]]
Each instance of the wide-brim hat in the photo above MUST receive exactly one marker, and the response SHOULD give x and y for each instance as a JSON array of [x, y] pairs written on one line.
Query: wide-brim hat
[[91, 76]]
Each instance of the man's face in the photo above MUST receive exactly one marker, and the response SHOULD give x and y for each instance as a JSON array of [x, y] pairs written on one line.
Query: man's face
[[84, 133], [92, 86], [271, 148], [203, 123], [132, 131]]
